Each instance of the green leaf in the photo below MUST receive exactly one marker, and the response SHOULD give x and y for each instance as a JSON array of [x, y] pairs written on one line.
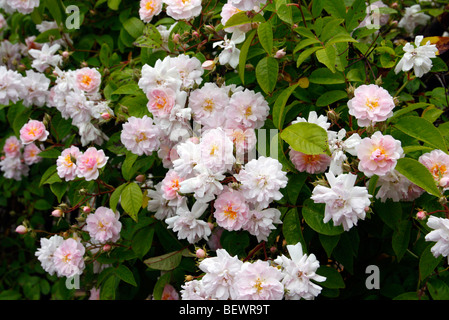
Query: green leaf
[[125, 274], [131, 199], [326, 76], [50, 176], [423, 130], [284, 12], [428, 262], [242, 18], [410, 296], [335, 8], [265, 33], [340, 38], [114, 4], [418, 174], [401, 238], [313, 214], [134, 26], [51, 153], [142, 241], [267, 74], [389, 212], [327, 56], [330, 97], [244, 54], [291, 228], [55, 10], [10, 294], [305, 54], [130, 88], [329, 243], [334, 280], [160, 285], [127, 166], [305, 43], [235, 242], [438, 290], [409, 108], [165, 262], [279, 106], [308, 138], [109, 287], [115, 197], [59, 189]]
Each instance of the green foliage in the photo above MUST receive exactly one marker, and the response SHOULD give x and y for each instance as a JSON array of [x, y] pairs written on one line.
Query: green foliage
[[326, 57]]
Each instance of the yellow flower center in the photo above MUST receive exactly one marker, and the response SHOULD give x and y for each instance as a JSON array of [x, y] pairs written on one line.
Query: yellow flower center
[[372, 104], [258, 285], [230, 213], [208, 105], [86, 80]]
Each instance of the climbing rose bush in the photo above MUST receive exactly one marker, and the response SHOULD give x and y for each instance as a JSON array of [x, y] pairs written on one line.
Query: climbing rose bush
[[224, 150]]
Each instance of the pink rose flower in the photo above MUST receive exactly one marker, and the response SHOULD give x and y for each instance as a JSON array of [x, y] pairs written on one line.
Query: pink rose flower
[[68, 258], [33, 130], [309, 163], [371, 104], [65, 166], [170, 185], [161, 101], [149, 9], [12, 147], [437, 162], [231, 210], [140, 135], [89, 162], [31, 154], [379, 154], [88, 79], [103, 225]]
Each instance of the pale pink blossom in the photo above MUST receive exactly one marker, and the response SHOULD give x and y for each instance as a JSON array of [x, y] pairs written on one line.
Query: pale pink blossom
[[227, 12], [247, 5], [299, 273], [183, 9], [309, 163], [68, 258], [88, 79], [244, 140], [171, 185], [169, 293], [220, 272], [21, 229], [208, 101], [217, 150], [231, 210], [88, 163], [37, 88], [33, 130], [149, 9], [31, 154], [12, 147], [24, 6], [14, 168], [258, 281], [247, 109], [371, 104], [439, 234], [103, 225], [45, 57], [187, 223], [46, 251], [437, 162], [345, 202], [161, 101], [66, 163], [260, 223], [261, 180], [11, 86], [189, 69], [379, 154], [140, 135]]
